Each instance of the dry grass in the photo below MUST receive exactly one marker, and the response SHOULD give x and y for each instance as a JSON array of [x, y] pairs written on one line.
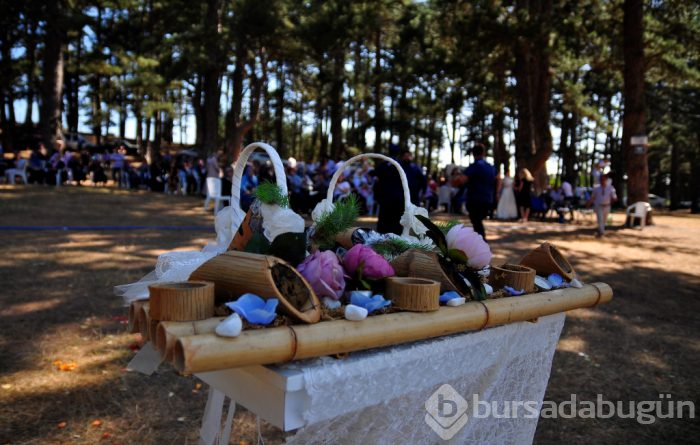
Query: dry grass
[[56, 304]]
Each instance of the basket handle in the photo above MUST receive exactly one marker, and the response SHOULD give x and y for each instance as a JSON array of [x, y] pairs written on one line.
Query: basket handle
[[280, 177], [408, 220]]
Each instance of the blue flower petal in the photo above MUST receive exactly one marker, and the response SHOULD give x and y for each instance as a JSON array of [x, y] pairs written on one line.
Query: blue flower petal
[[254, 309], [513, 292], [370, 303], [449, 295], [555, 280]]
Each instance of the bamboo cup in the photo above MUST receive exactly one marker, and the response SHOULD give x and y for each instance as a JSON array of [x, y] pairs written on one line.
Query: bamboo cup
[[147, 326], [208, 352], [513, 275], [420, 264], [547, 259], [236, 273], [413, 294], [192, 300]]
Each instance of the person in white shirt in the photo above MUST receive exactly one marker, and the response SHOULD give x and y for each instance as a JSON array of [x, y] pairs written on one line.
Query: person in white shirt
[[602, 198]]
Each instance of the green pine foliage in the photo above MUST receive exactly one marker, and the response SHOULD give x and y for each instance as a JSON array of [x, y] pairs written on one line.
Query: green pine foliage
[[343, 217], [393, 247], [270, 193]]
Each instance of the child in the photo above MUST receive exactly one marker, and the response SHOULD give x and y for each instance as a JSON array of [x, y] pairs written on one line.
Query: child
[[602, 197]]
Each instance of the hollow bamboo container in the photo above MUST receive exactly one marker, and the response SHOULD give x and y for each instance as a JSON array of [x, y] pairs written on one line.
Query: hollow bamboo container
[[419, 264], [201, 353], [413, 294], [147, 326], [547, 259], [168, 332], [236, 273], [516, 276], [192, 300], [134, 310]]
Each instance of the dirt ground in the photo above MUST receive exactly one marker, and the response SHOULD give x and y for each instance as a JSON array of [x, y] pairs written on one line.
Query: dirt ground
[[64, 348]]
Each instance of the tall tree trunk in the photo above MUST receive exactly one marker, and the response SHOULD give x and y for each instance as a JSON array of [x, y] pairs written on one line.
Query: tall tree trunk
[[695, 176], [198, 111], [52, 85], [378, 95], [211, 75], [236, 126], [31, 68], [675, 185], [157, 131], [336, 102], [633, 121], [533, 142], [279, 111]]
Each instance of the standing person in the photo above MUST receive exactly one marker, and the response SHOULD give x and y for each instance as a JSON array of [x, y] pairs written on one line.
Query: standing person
[[213, 167], [602, 198], [414, 176], [389, 195], [507, 208], [523, 193], [481, 181]]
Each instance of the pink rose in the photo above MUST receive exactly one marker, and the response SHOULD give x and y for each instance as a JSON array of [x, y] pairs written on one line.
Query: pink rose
[[471, 243], [324, 273], [373, 265]]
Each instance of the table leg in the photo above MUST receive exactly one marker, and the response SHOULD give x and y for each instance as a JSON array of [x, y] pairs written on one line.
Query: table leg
[[211, 421], [211, 432], [226, 432]]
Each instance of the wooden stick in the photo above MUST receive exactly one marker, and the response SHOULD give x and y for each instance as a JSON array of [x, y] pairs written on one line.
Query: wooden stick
[[168, 332], [200, 353]]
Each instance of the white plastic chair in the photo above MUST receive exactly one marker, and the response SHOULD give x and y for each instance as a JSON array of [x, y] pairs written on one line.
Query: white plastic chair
[[20, 171], [445, 193], [214, 192], [638, 210]]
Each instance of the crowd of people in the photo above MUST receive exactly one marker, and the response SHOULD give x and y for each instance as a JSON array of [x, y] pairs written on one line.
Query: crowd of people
[[477, 190]]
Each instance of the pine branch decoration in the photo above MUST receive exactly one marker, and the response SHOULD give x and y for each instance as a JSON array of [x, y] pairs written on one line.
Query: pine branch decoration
[[343, 217], [271, 193]]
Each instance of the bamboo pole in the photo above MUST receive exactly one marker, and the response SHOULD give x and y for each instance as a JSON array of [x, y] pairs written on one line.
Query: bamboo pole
[[168, 332], [201, 353]]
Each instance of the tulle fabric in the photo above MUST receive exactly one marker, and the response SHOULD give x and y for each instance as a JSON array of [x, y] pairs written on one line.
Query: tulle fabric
[[378, 396]]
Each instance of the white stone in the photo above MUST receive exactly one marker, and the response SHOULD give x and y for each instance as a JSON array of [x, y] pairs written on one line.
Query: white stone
[[331, 303], [456, 301], [355, 313], [230, 327], [489, 289], [576, 283]]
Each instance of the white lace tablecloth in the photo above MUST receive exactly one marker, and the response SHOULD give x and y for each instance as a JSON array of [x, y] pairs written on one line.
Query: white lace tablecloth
[[378, 396]]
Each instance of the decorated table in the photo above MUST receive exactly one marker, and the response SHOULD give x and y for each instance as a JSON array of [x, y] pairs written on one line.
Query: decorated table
[[344, 334], [379, 396]]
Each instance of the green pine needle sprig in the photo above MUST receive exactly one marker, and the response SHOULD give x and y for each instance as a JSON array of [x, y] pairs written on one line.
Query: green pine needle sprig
[[445, 226], [343, 217], [271, 193], [391, 248]]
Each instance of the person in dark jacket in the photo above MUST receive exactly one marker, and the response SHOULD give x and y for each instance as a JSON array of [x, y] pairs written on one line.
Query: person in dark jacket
[[481, 180]]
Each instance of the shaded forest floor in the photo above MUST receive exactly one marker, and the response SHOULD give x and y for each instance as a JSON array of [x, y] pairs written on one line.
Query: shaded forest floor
[[57, 309]]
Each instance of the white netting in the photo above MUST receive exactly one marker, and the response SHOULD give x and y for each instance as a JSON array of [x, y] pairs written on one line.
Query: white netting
[[378, 396]]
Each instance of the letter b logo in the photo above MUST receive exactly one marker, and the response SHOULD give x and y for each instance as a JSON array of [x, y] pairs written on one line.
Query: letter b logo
[[447, 412]]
